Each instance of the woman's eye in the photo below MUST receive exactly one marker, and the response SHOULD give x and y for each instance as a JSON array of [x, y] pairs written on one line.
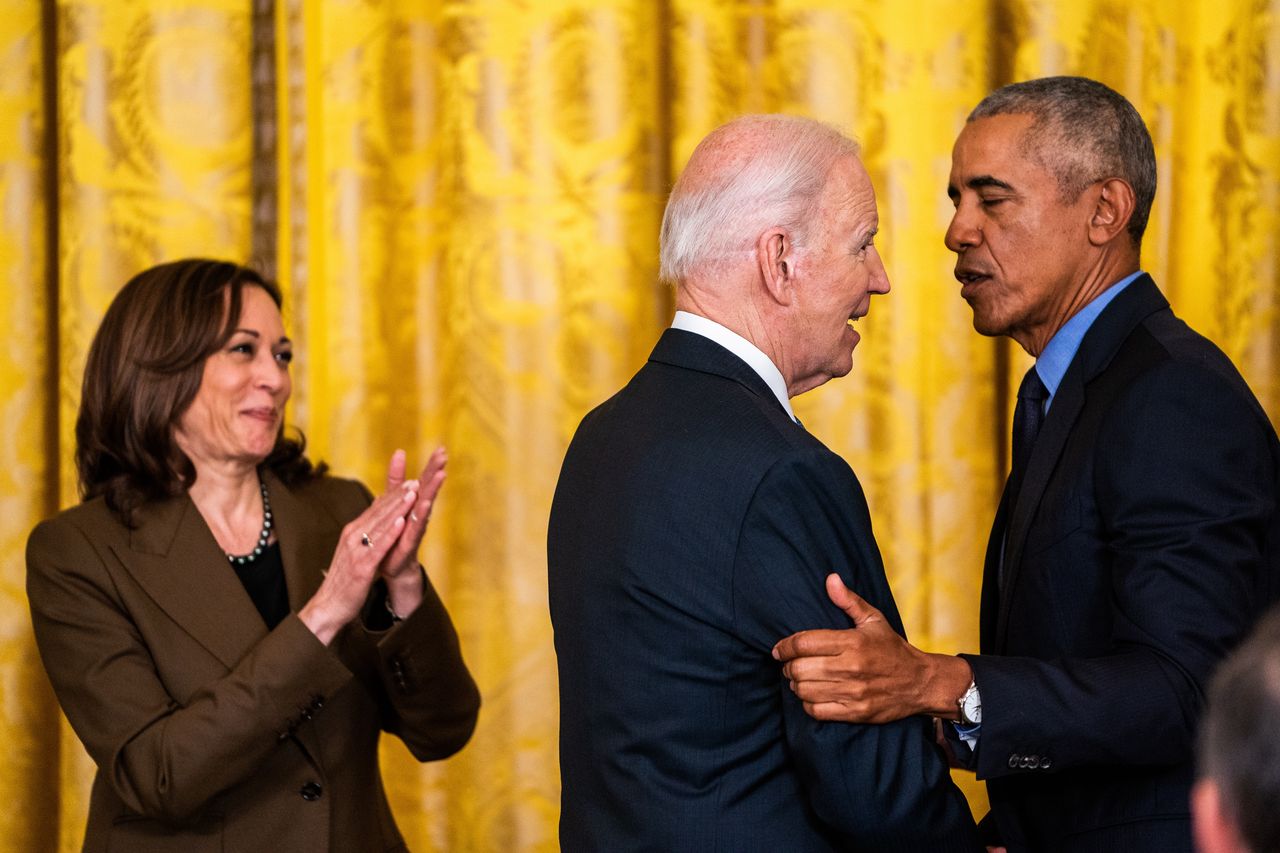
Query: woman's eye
[[243, 348], [284, 356]]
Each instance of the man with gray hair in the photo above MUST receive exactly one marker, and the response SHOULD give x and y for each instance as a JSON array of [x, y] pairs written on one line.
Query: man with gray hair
[[1236, 802], [1139, 533], [695, 519]]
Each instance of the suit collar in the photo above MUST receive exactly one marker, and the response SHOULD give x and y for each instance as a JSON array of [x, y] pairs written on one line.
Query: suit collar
[[172, 554], [679, 348], [1131, 307], [1134, 304], [744, 349]]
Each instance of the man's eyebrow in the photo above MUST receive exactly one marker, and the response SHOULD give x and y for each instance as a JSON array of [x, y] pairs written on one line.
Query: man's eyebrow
[[987, 181], [978, 183]]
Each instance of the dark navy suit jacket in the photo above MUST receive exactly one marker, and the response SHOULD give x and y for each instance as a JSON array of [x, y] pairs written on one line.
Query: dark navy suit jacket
[[692, 528], [1145, 541]]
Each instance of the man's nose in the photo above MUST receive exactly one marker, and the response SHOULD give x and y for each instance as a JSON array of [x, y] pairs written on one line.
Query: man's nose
[[964, 231], [879, 275]]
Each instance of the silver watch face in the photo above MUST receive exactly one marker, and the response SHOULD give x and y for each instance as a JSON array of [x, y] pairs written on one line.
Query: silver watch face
[[971, 706]]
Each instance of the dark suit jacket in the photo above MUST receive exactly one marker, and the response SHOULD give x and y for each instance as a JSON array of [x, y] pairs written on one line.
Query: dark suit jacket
[[209, 732], [1145, 541], [692, 527]]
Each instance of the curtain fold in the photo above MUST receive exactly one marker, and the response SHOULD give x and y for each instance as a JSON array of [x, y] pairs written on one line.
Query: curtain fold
[[461, 201]]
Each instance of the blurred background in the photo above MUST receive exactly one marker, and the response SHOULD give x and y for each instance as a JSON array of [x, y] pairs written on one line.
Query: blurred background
[[461, 202]]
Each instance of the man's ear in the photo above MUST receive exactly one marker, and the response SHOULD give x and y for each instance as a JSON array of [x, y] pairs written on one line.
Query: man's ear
[[1111, 211], [775, 256]]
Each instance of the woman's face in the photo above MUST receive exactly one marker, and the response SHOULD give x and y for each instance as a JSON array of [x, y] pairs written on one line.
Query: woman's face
[[236, 415]]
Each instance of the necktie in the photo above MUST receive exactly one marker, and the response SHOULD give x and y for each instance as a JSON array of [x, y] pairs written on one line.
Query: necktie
[[1027, 418]]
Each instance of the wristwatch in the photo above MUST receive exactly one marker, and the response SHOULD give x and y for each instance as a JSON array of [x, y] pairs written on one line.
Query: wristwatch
[[970, 706]]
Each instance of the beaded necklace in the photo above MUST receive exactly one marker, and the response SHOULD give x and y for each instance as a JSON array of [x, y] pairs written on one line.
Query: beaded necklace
[[262, 537]]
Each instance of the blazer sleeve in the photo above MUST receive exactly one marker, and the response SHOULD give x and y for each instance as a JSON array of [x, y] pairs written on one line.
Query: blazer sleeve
[[427, 696], [414, 668], [1186, 496], [879, 787], [165, 760]]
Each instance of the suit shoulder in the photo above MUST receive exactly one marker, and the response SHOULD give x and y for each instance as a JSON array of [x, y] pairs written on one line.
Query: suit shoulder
[[90, 520], [76, 541], [689, 403], [1177, 389], [1185, 349], [1164, 357]]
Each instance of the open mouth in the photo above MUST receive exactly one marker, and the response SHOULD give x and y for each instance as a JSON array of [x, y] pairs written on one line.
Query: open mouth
[[968, 277]]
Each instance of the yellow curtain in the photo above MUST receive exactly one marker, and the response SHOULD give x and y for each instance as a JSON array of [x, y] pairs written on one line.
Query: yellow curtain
[[461, 200]]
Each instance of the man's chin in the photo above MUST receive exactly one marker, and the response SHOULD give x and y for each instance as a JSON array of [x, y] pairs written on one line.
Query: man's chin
[[985, 324]]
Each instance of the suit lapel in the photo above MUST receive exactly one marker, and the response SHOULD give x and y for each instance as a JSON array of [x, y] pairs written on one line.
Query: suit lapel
[[307, 540], [1045, 453], [173, 556], [989, 606]]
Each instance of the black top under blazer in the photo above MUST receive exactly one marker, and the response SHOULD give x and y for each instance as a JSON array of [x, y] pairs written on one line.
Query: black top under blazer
[[1143, 545], [692, 528]]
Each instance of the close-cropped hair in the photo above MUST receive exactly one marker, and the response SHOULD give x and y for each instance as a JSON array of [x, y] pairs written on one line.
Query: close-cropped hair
[[778, 186], [1083, 132], [1239, 742], [144, 368]]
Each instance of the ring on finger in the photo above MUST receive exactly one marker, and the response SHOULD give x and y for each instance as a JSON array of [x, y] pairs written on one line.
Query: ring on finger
[[366, 540]]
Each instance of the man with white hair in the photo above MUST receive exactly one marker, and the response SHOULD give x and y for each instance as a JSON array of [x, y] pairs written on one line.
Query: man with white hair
[[1234, 803], [695, 520]]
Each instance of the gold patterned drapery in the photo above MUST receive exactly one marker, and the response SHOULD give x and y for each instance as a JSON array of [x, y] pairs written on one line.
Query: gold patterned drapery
[[461, 200]]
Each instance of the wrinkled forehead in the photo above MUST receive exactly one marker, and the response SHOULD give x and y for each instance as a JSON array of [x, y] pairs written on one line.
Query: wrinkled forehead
[[1000, 146], [848, 185]]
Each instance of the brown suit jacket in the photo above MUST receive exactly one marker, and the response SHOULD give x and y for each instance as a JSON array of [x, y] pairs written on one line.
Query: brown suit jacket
[[209, 732]]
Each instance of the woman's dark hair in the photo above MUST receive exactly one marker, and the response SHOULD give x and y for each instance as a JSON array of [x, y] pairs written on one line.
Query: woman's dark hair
[[144, 368]]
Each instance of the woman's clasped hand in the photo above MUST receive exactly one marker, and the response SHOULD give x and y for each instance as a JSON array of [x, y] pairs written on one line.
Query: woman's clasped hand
[[381, 542]]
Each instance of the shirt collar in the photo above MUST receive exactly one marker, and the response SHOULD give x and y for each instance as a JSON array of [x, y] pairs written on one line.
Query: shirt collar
[[742, 348], [1062, 347]]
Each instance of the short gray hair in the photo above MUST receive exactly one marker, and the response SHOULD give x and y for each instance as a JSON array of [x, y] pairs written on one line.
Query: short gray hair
[[778, 185], [1083, 132], [1239, 746]]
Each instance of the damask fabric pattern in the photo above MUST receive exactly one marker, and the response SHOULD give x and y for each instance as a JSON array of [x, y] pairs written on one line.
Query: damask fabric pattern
[[469, 196]]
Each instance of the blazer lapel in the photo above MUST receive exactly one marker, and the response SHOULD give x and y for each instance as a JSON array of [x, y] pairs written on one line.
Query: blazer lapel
[[307, 540], [989, 606], [173, 556], [1045, 453]]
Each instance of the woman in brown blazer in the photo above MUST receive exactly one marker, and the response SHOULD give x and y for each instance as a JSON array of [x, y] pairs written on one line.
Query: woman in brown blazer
[[228, 628]]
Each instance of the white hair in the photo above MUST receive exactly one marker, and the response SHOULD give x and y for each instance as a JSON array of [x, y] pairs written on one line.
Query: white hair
[[776, 186]]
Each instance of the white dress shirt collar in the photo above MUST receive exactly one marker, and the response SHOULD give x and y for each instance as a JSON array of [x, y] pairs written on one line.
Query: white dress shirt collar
[[742, 348]]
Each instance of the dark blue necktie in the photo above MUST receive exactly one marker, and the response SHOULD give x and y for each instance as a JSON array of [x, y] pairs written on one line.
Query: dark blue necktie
[[1028, 415], [1027, 419]]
